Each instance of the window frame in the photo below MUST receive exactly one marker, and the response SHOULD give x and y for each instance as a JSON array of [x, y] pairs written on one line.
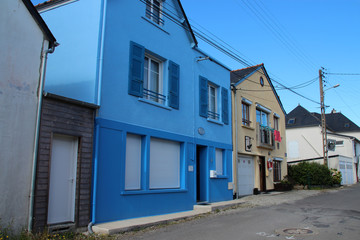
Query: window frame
[[150, 9], [262, 113], [145, 169], [245, 108], [277, 170], [214, 115], [219, 152], [276, 123], [150, 94]]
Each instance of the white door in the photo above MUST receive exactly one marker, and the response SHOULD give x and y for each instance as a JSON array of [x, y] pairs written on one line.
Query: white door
[[342, 167], [245, 175], [62, 179], [349, 173]]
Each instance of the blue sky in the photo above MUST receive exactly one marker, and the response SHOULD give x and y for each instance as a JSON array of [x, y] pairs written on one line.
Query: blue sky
[[293, 38]]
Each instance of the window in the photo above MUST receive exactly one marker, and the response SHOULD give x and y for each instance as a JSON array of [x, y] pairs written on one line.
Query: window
[[277, 171], [153, 11], [219, 161], [262, 117], [146, 78], [153, 81], [276, 123], [291, 121], [245, 114], [213, 101], [133, 162], [164, 164]]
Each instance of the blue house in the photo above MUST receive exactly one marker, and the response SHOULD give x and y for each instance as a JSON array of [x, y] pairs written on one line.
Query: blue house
[[163, 130]]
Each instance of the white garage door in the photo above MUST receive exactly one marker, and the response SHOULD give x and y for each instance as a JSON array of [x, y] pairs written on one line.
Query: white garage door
[[245, 175], [346, 170]]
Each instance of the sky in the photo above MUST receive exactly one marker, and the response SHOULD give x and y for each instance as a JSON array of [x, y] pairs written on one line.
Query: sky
[[294, 39]]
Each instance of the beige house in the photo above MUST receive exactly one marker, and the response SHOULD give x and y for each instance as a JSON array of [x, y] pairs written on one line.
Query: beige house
[[258, 119]]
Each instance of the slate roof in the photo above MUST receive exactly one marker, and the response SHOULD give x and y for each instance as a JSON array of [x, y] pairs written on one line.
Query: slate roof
[[336, 121], [238, 75], [302, 118], [340, 123]]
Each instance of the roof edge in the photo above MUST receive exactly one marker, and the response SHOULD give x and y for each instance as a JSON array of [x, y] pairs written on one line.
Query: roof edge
[[40, 21]]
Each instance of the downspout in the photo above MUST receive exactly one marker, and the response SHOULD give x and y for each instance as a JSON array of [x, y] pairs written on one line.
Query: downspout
[[37, 132], [98, 100], [233, 88]]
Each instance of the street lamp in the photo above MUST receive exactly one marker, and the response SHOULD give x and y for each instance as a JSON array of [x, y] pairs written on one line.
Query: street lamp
[[323, 121]]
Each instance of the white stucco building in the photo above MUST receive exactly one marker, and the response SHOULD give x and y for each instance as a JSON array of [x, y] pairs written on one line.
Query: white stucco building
[[304, 141], [25, 42]]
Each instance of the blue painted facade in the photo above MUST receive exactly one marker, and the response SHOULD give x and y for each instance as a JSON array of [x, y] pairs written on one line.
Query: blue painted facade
[[104, 60]]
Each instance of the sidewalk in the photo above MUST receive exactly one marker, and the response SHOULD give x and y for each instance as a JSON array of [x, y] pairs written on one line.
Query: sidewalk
[[137, 223], [267, 199]]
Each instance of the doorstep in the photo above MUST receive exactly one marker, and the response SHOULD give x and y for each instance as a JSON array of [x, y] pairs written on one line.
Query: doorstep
[[138, 223]]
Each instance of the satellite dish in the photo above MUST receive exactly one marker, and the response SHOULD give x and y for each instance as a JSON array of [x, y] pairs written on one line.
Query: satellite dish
[[331, 145]]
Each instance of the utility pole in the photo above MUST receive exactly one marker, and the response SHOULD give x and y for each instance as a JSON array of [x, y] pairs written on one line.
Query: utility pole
[[323, 121]]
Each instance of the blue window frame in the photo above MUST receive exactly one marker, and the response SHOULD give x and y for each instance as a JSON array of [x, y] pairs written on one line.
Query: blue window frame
[[146, 78]]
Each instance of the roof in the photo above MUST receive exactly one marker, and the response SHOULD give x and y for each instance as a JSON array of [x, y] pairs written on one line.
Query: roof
[[44, 28], [336, 122], [340, 123], [302, 118], [238, 76], [241, 74]]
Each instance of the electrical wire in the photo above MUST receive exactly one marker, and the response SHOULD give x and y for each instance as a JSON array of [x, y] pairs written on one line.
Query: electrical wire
[[219, 47]]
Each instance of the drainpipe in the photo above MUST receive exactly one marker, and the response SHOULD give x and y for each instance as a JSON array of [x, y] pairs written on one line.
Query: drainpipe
[[37, 131], [233, 88], [98, 100]]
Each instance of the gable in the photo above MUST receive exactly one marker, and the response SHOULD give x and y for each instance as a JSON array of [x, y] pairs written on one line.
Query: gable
[[256, 82]]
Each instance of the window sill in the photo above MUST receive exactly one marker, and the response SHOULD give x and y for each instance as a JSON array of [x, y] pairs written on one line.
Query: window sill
[[215, 121], [248, 127], [156, 25], [220, 177], [154, 104], [155, 191]]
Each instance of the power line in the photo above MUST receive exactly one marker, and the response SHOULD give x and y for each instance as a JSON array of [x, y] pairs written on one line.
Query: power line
[[348, 74], [219, 46]]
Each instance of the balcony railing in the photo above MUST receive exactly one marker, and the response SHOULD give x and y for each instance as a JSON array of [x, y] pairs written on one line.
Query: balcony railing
[[213, 115], [154, 96], [265, 136]]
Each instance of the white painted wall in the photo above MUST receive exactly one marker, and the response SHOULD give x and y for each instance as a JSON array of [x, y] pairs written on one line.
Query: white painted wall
[[21, 44], [303, 143]]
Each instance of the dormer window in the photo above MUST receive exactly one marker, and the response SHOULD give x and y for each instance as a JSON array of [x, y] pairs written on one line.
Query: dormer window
[[291, 121], [153, 11]]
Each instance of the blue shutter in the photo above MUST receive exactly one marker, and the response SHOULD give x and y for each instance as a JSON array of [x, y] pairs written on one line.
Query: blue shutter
[[225, 105], [136, 71], [174, 78], [203, 96]]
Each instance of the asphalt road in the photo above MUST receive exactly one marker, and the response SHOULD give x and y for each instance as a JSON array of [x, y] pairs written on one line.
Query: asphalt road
[[330, 215]]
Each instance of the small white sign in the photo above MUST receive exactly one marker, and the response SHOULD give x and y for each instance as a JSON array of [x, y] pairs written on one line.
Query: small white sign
[[191, 168]]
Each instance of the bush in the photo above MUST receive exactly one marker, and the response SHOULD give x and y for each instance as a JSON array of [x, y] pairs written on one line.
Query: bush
[[306, 173], [336, 176]]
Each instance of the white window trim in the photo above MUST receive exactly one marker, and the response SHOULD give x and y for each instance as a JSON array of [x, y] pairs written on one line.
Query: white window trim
[[262, 108], [161, 76], [151, 18], [217, 109], [246, 101]]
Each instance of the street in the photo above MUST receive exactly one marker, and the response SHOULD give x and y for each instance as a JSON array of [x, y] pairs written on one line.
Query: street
[[329, 215]]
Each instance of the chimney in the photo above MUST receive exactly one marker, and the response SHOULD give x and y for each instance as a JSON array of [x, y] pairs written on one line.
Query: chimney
[[333, 111]]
